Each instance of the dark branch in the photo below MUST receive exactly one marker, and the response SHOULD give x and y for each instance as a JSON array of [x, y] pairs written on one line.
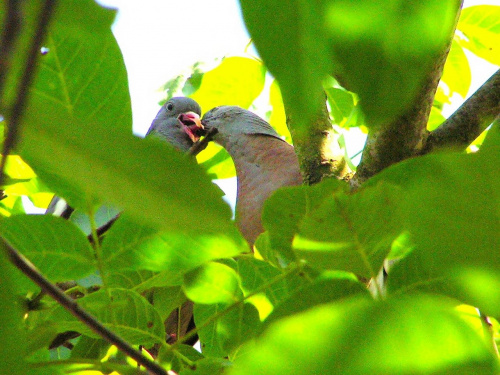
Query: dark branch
[[202, 144], [402, 138], [71, 306], [318, 151], [470, 120], [16, 113], [10, 33]]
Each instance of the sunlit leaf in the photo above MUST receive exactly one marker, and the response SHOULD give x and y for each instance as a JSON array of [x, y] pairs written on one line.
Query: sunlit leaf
[[456, 73], [363, 337], [351, 232], [481, 27], [236, 81], [222, 336], [130, 246], [212, 283]]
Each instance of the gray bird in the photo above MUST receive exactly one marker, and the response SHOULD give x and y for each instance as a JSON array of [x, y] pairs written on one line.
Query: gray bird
[[176, 123], [264, 162]]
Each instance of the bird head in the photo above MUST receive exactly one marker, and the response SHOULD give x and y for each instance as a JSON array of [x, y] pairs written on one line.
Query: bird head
[[178, 122], [233, 121]]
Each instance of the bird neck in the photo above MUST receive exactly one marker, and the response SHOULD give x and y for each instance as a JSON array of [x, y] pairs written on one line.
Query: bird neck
[[263, 164]]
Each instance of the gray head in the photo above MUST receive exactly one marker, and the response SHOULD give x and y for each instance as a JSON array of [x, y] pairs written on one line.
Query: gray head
[[173, 120], [232, 121]]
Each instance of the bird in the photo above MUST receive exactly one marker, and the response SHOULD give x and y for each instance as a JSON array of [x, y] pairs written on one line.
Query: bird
[[176, 123], [264, 162], [171, 124]]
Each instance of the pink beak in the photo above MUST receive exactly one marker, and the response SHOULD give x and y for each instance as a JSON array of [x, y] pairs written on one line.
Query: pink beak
[[191, 124]]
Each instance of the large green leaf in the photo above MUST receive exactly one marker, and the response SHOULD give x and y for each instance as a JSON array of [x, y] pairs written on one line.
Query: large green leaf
[[384, 52], [285, 209], [419, 335], [55, 246], [351, 232], [481, 27], [125, 312], [290, 39], [129, 246], [450, 208]]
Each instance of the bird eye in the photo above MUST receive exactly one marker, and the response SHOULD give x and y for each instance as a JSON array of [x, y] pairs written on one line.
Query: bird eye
[[170, 106]]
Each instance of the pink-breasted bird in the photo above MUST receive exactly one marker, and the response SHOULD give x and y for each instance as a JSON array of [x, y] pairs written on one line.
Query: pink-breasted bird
[[264, 162]]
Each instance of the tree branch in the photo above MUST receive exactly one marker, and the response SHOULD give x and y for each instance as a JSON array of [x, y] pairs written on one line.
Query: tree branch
[[402, 138], [199, 146], [16, 113], [318, 150], [71, 306], [470, 120]]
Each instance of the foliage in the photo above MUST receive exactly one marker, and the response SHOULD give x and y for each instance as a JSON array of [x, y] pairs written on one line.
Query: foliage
[[297, 305]]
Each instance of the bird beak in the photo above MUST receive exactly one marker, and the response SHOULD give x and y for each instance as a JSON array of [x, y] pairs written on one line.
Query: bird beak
[[191, 124]]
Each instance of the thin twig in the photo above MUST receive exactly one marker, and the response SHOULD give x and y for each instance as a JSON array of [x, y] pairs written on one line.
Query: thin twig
[[72, 306], [26, 79], [202, 144]]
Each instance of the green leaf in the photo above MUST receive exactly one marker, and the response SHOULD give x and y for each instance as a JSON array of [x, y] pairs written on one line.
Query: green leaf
[[277, 284], [167, 299], [341, 104], [351, 232], [130, 246], [285, 209], [384, 53], [278, 117], [236, 81], [435, 119], [111, 165], [55, 246], [456, 73], [97, 158], [13, 361], [217, 162], [221, 337], [290, 39], [212, 283], [209, 366], [481, 28], [127, 314], [320, 292], [419, 335], [142, 280], [450, 209]]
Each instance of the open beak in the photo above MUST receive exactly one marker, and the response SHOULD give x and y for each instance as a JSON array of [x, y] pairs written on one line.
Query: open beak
[[191, 124]]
